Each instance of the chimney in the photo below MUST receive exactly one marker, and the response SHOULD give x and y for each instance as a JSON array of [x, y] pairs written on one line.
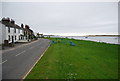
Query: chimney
[[6, 19], [12, 21], [22, 26], [3, 18], [27, 27]]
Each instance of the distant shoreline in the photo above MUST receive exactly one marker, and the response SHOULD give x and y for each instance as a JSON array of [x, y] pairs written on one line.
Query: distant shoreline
[[104, 35], [111, 39], [96, 36], [90, 36]]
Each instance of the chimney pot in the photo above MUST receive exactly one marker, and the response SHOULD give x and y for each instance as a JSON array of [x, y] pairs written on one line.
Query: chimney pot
[[6, 19], [12, 21], [27, 27], [22, 26]]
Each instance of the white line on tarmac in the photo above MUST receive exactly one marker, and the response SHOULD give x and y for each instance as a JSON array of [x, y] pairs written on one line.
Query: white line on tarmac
[[3, 62], [31, 47], [20, 53], [34, 46]]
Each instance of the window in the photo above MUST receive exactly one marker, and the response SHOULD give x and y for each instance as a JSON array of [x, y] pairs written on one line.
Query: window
[[18, 30], [15, 37], [9, 37], [19, 37], [22, 31], [14, 30], [22, 38], [8, 29]]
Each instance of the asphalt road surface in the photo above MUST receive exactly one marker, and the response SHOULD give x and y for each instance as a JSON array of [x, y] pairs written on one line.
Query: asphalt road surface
[[16, 63]]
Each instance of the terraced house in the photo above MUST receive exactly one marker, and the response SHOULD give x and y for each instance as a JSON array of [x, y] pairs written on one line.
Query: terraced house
[[11, 32]]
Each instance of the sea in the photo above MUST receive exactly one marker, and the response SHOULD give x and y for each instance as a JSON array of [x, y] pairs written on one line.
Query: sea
[[105, 39]]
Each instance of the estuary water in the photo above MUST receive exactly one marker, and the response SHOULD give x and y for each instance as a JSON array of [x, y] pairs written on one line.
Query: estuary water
[[105, 39]]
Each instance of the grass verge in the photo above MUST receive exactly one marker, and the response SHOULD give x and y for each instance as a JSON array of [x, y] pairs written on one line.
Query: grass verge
[[86, 60]]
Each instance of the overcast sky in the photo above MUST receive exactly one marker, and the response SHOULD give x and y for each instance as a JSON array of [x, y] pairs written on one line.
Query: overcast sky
[[65, 17]]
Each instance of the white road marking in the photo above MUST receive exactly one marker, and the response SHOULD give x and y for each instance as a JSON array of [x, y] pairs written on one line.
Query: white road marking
[[20, 53], [31, 47], [3, 62]]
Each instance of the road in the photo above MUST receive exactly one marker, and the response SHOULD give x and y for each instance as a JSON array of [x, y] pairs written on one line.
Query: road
[[16, 63]]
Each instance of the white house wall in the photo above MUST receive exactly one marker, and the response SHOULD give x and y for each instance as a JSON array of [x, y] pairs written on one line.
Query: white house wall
[[2, 33], [11, 34], [21, 31], [17, 34]]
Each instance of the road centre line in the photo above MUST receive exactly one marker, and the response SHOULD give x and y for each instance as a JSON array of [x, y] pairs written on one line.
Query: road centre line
[[34, 46], [31, 47], [3, 62], [20, 53]]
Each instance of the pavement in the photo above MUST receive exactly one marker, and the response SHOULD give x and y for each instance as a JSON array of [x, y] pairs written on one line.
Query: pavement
[[16, 45], [17, 62]]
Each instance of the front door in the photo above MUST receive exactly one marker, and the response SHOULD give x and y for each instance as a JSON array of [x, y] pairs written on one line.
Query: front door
[[12, 39]]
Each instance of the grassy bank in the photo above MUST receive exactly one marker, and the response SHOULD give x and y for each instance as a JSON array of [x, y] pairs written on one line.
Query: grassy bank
[[86, 60]]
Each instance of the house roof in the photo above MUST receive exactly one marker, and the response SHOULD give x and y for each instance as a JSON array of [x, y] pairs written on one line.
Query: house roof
[[13, 25], [9, 24]]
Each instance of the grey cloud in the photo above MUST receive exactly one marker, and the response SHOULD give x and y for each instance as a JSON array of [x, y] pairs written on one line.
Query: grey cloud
[[64, 17]]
